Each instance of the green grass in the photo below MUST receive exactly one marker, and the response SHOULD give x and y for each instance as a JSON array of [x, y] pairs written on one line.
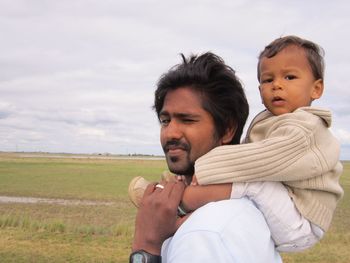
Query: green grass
[[334, 247], [98, 179], [58, 233], [101, 233]]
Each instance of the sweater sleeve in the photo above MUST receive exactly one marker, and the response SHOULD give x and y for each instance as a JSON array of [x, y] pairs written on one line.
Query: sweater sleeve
[[288, 153]]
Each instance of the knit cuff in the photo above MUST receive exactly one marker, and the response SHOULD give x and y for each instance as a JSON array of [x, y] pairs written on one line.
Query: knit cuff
[[238, 190]]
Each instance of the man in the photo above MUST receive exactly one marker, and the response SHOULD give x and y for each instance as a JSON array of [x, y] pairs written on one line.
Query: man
[[200, 105]]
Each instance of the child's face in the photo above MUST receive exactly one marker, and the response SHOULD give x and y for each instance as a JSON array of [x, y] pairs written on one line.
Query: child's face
[[287, 81]]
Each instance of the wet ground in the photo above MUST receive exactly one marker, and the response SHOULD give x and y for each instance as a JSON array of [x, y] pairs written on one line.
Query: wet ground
[[36, 200]]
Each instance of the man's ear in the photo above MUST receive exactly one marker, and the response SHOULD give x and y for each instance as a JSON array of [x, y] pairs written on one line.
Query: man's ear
[[228, 136], [317, 90]]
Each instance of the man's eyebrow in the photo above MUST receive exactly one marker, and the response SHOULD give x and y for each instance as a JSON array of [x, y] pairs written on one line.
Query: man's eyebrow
[[163, 113], [179, 114], [186, 115]]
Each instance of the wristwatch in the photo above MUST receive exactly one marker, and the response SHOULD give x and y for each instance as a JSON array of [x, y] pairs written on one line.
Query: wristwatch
[[141, 256], [181, 211]]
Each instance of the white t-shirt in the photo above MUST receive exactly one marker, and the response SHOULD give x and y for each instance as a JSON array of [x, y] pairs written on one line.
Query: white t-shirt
[[226, 231]]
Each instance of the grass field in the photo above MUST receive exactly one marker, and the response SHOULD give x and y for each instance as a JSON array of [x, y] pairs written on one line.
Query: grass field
[[42, 232]]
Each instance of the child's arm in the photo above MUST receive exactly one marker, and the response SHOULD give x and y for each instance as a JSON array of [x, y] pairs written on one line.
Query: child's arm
[[196, 196], [289, 147]]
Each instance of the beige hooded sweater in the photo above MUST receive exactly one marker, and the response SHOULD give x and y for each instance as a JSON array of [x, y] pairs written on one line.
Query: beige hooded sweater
[[296, 149]]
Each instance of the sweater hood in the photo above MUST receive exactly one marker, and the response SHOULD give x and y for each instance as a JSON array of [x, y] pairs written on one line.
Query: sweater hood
[[323, 113]]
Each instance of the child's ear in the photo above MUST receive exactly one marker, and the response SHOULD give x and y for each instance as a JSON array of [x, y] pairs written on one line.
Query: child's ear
[[262, 101], [228, 136], [317, 91]]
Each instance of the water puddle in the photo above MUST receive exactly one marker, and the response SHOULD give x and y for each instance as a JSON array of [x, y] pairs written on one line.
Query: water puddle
[[36, 200]]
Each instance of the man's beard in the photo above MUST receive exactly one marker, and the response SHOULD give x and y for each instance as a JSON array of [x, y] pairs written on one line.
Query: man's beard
[[187, 169]]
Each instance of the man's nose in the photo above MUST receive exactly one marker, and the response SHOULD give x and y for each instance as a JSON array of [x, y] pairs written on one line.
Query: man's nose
[[173, 130]]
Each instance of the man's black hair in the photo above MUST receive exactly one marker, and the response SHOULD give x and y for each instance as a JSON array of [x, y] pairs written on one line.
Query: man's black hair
[[222, 92]]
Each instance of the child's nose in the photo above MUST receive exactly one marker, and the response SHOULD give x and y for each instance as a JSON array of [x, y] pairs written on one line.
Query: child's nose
[[277, 84]]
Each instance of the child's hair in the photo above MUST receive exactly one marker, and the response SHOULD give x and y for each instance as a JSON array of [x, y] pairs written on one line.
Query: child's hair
[[314, 53]]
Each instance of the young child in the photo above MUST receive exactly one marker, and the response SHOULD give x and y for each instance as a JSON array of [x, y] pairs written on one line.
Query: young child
[[289, 163]]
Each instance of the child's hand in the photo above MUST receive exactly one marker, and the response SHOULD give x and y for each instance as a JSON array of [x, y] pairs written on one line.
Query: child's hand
[[181, 178], [194, 181]]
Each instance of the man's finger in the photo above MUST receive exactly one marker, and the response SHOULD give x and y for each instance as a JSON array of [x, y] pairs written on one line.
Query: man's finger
[[149, 189], [168, 187], [176, 193]]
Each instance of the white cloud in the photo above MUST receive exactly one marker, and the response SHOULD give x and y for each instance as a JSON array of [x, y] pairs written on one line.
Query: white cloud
[[343, 136], [79, 76], [93, 132]]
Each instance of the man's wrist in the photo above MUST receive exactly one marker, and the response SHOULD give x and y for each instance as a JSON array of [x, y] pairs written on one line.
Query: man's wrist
[[181, 211], [146, 244], [142, 256]]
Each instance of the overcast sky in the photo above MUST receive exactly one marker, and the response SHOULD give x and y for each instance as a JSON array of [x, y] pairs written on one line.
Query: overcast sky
[[78, 76]]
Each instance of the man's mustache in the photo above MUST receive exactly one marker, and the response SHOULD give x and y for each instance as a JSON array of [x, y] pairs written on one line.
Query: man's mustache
[[176, 144]]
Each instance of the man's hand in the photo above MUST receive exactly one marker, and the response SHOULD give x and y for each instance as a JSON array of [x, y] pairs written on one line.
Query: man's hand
[[156, 219]]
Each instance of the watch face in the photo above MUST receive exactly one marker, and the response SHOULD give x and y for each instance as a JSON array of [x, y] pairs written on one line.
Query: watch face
[[142, 256], [137, 258]]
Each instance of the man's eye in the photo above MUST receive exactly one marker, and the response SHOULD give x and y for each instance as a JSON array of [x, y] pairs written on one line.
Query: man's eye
[[188, 120], [164, 122]]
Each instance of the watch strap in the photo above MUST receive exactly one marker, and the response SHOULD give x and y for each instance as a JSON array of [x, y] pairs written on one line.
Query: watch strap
[[142, 256], [181, 211]]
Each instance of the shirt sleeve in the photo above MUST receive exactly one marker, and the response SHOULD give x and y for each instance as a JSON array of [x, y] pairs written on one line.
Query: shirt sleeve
[[208, 248], [225, 231]]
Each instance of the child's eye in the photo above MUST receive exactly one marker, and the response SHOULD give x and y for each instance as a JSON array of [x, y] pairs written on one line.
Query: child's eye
[[267, 80], [290, 77]]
